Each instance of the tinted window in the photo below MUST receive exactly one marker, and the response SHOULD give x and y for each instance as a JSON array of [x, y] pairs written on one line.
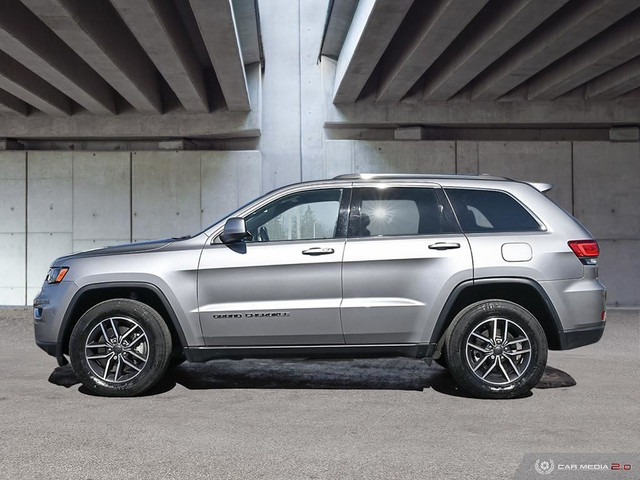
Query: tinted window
[[490, 211], [300, 216], [401, 211]]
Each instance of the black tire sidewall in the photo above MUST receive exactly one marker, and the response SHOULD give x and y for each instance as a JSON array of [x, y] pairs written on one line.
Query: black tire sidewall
[[467, 320], [159, 340]]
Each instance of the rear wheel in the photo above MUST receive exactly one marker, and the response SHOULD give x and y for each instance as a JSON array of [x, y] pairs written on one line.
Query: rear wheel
[[120, 347], [496, 349]]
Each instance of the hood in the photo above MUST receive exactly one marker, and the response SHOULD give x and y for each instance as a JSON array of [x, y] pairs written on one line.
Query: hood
[[118, 250]]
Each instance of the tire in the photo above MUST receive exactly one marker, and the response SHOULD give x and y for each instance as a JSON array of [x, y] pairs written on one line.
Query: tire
[[484, 362], [124, 364]]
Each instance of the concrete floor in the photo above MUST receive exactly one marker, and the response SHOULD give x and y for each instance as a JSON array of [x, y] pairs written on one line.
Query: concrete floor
[[392, 418]]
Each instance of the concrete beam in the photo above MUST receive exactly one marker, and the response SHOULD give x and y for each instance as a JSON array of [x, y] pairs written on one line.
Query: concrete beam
[[467, 114], [492, 33], [374, 24], [565, 31], [131, 125], [338, 25], [13, 104], [624, 134], [95, 31], [18, 80], [432, 28], [218, 29], [24, 37], [246, 15], [614, 47], [615, 82], [157, 26]]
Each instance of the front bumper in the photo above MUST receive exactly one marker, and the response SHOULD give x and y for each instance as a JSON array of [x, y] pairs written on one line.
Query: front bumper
[[48, 312]]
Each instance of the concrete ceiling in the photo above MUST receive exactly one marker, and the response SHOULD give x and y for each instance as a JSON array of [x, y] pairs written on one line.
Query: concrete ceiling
[[436, 51], [63, 58]]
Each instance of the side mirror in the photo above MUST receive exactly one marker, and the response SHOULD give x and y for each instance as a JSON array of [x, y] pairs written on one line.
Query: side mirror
[[235, 230]]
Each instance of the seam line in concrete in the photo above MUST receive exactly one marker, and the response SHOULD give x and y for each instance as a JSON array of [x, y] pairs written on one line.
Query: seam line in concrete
[[130, 197], [573, 184], [456, 155], [26, 222], [300, 93]]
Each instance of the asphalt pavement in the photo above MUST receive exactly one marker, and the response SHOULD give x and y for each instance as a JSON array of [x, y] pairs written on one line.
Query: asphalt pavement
[[302, 419]]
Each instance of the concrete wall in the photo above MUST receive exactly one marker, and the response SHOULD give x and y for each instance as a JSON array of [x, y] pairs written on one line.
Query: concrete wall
[[55, 203]]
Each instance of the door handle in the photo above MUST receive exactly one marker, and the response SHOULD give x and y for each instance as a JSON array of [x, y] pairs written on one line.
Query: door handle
[[318, 251], [444, 246]]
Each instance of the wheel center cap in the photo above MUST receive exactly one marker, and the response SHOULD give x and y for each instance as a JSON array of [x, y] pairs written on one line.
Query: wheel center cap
[[118, 349], [498, 350]]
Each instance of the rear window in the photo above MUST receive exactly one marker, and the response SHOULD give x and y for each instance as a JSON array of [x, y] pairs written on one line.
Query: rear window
[[490, 211]]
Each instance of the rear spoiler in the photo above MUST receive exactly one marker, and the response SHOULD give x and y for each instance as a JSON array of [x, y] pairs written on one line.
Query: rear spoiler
[[541, 187]]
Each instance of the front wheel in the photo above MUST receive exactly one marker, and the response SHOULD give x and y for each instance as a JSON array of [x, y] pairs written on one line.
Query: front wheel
[[120, 347], [496, 349]]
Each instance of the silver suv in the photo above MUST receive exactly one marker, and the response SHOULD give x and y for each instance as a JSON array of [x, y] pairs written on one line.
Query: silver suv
[[482, 274]]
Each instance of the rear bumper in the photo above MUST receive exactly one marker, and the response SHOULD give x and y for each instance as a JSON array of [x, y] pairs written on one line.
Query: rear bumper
[[581, 336]]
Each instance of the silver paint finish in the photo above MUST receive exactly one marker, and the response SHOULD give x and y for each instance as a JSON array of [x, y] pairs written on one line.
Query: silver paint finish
[[271, 277], [395, 287]]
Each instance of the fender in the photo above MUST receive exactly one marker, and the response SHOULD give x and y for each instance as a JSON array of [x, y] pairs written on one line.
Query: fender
[[441, 326], [65, 326]]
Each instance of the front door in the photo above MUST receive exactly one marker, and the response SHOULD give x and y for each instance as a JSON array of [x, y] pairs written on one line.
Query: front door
[[404, 255], [283, 286]]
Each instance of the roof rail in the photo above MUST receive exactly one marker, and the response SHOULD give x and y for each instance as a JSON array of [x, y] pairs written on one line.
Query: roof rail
[[376, 176]]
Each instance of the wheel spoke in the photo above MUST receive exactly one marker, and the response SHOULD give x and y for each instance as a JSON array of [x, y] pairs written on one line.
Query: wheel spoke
[[135, 354], [98, 345], [493, 365], [117, 372], [131, 365], [513, 365], [100, 357], [484, 359], [107, 367], [495, 330], [115, 330], [506, 328], [506, 375], [515, 353], [484, 339], [128, 332], [104, 332], [136, 340], [483, 350], [518, 340]]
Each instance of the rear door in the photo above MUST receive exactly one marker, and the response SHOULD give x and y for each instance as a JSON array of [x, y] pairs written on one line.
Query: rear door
[[403, 256]]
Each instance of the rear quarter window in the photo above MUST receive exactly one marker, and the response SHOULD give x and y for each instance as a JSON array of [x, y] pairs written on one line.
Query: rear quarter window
[[490, 211]]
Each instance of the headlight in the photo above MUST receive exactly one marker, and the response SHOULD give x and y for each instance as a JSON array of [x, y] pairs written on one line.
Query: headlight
[[56, 274]]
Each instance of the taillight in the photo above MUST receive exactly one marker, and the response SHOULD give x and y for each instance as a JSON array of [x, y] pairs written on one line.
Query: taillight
[[586, 250]]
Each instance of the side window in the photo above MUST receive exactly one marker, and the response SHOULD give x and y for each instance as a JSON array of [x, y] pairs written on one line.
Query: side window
[[401, 211], [300, 216], [490, 211]]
